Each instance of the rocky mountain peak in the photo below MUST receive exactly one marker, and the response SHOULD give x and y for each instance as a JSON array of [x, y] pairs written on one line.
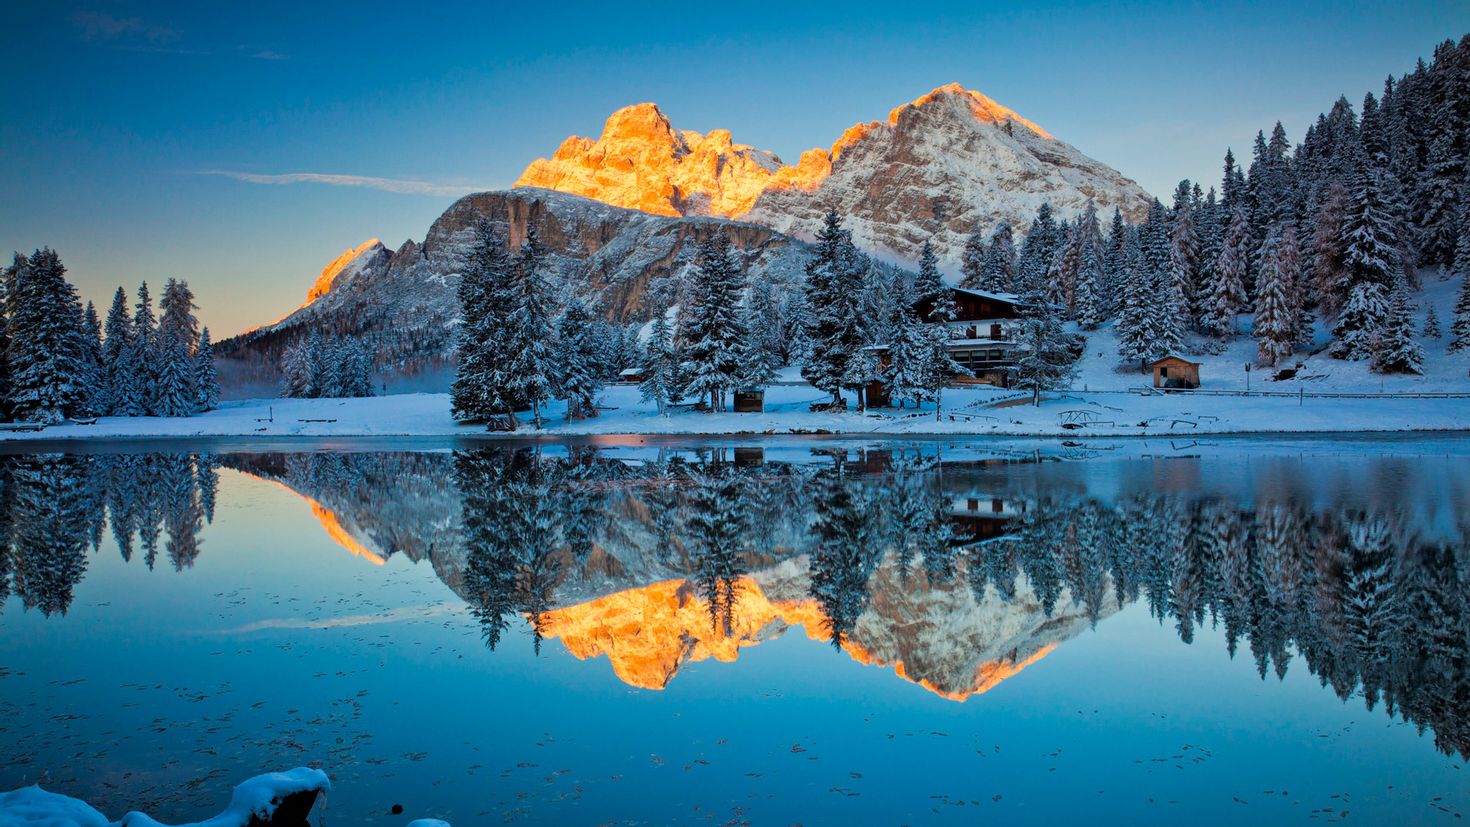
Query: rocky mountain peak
[[941, 166]]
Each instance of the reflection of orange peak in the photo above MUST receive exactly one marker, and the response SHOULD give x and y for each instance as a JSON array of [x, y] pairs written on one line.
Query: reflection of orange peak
[[333, 526], [648, 633], [642, 162]]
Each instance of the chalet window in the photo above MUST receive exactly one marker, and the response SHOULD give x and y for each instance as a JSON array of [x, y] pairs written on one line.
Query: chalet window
[[973, 504], [996, 505], [995, 331]]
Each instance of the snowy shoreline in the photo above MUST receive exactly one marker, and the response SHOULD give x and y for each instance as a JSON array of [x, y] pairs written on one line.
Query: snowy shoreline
[[1071, 416]]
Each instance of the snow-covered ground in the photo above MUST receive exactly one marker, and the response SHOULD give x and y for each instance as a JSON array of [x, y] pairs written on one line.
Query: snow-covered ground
[[966, 411]]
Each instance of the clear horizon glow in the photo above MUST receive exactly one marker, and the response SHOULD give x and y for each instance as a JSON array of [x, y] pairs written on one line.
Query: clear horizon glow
[[243, 148]]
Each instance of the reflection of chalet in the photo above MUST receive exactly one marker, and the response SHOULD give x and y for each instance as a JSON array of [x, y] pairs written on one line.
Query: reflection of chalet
[[982, 338], [976, 517]]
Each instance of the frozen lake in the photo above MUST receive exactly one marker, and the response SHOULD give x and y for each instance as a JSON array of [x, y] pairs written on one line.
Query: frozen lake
[[667, 631]]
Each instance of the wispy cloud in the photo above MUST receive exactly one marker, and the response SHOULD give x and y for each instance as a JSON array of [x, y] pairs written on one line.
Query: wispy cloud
[[100, 26], [398, 185], [134, 34]]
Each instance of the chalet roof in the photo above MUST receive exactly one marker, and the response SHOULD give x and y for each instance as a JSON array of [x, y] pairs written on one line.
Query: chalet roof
[[953, 343], [1172, 358], [1008, 298]]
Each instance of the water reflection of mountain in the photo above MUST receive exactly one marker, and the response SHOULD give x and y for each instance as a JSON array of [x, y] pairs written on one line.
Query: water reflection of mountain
[[956, 575]]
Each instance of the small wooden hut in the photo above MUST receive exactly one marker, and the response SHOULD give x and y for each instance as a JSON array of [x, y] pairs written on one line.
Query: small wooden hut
[[1175, 372]]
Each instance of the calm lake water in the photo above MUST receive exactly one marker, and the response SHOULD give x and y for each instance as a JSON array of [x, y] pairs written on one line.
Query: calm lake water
[[814, 632]]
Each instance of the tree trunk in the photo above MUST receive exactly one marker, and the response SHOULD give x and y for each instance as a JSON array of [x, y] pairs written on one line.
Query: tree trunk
[[938, 403]]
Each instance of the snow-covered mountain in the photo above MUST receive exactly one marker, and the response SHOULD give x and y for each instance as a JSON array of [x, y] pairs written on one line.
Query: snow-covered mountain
[[937, 169], [404, 302]]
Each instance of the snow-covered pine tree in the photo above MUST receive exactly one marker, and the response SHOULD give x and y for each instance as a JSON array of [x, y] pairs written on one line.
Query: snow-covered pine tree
[[1298, 284], [1460, 324], [907, 371], [1432, 329], [1228, 295], [295, 372], [46, 356], [998, 273], [1045, 358], [1115, 255], [767, 327], [1275, 325], [479, 389], [1135, 324], [207, 382], [1396, 350], [144, 357], [1184, 258], [123, 393], [577, 380], [929, 287], [1037, 251], [712, 328], [93, 376], [1372, 257], [1439, 202], [1359, 325], [1329, 273], [529, 327], [1168, 316], [331, 369], [757, 358], [833, 331], [940, 367], [1094, 304], [972, 261], [177, 341], [660, 366]]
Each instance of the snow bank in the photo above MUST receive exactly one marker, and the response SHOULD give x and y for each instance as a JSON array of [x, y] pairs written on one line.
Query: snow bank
[[257, 798], [34, 807]]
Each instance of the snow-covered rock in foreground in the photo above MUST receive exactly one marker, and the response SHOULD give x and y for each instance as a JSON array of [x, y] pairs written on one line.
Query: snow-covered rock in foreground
[[275, 799]]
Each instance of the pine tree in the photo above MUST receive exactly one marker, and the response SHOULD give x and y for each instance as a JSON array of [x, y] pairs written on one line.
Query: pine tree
[[144, 356], [998, 272], [528, 328], [93, 377], [972, 261], [1094, 304], [1432, 329], [296, 371], [756, 358], [1396, 350], [177, 341], [712, 328], [1329, 272], [1135, 325], [207, 377], [480, 384], [930, 289], [940, 368], [661, 367], [46, 357], [1460, 325], [577, 381], [1037, 251], [1228, 295], [908, 358], [833, 331], [1275, 325], [1438, 205], [1045, 358], [1184, 258], [123, 392], [1355, 337]]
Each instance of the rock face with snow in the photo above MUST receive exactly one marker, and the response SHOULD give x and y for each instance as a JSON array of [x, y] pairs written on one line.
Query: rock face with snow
[[404, 303], [937, 169]]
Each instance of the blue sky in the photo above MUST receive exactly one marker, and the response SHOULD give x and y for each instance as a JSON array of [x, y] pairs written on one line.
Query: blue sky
[[116, 117]]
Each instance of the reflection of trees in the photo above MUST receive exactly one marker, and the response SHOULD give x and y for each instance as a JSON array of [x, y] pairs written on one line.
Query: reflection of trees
[[52, 506]]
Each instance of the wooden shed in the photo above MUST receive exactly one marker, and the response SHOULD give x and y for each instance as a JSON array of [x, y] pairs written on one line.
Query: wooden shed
[[749, 400], [1174, 372]]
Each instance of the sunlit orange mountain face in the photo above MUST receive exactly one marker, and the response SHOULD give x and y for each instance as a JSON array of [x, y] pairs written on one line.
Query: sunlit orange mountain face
[[938, 168]]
